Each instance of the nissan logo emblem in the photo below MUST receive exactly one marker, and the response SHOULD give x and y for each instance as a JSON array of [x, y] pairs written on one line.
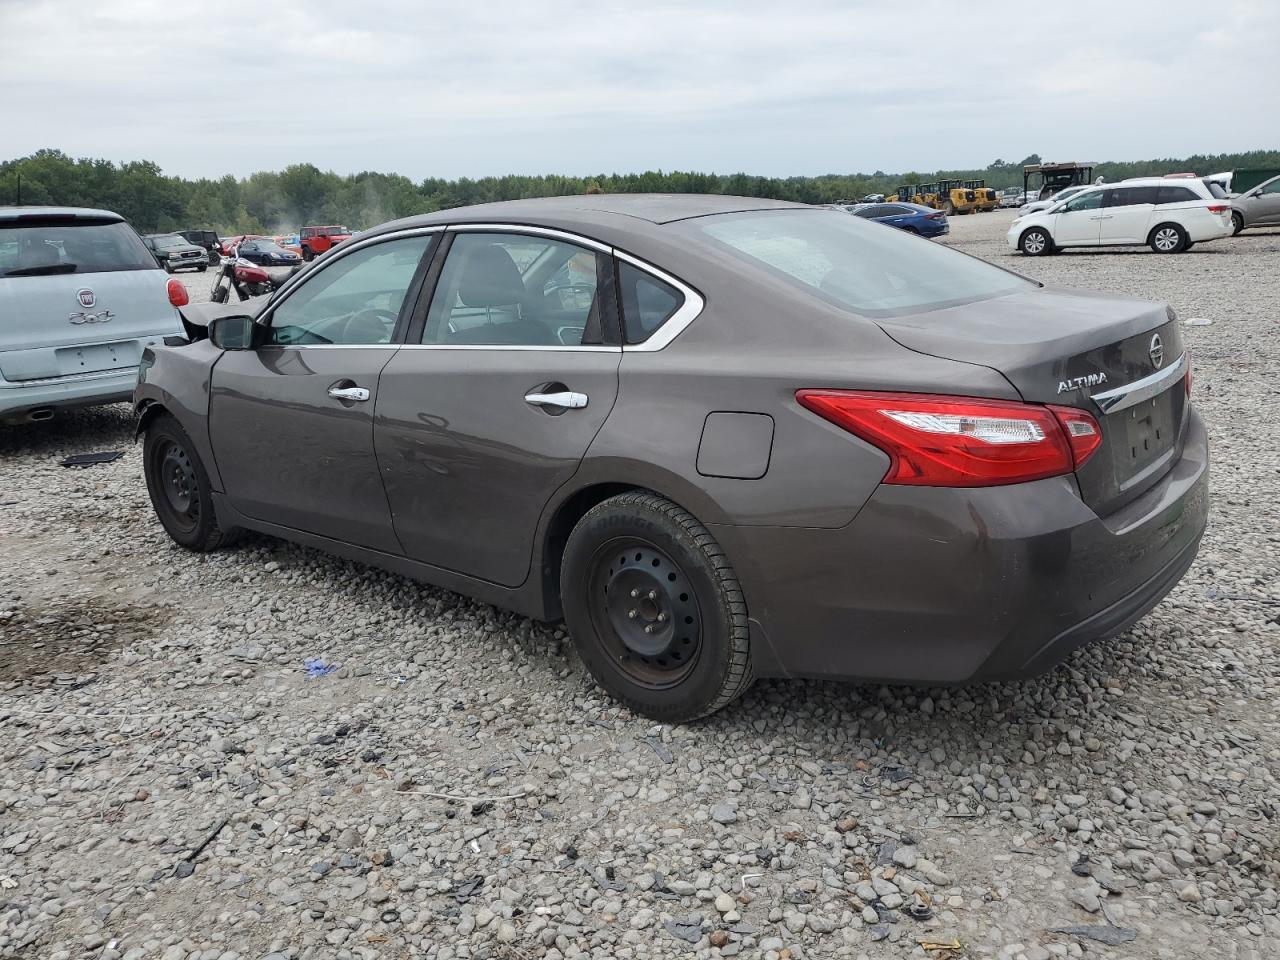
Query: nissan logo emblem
[[1156, 352]]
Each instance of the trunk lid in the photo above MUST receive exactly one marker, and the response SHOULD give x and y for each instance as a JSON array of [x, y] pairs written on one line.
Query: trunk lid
[[1092, 351], [79, 294], [46, 330]]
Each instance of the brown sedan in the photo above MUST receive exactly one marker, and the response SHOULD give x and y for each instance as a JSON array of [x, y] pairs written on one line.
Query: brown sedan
[[720, 437]]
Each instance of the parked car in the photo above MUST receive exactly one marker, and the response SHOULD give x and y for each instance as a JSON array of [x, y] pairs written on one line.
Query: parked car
[[1259, 207], [206, 240], [1035, 205], [1011, 199], [175, 253], [317, 240], [279, 263], [1168, 215], [720, 437], [911, 217], [81, 296], [873, 198]]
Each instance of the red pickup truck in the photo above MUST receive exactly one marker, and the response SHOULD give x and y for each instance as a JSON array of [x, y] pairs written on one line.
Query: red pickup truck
[[316, 240]]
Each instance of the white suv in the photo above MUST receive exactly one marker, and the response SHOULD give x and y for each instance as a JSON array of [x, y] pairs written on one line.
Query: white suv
[[1168, 214]]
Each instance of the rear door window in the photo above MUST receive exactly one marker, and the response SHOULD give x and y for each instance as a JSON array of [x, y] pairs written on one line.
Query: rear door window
[[516, 290], [39, 247], [1129, 196], [647, 302]]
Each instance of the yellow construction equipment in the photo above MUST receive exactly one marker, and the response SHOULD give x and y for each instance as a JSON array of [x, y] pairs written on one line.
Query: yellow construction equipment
[[985, 198]]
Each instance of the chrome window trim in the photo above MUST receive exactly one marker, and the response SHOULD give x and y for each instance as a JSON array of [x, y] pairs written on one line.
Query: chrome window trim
[[1131, 394], [518, 347], [678, 321], [336, 254], [574, 238]]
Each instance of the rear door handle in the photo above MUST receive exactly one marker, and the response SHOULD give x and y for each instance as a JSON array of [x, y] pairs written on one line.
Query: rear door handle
[[567, 399], [349, 393]]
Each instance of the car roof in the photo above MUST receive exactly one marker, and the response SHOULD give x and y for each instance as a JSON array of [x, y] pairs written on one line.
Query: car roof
[[87, 213]]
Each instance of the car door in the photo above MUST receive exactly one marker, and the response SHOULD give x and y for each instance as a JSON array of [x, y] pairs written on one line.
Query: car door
[[1126, 213], [1265, 207], [291, 421], [492, 404], [1079, 223]]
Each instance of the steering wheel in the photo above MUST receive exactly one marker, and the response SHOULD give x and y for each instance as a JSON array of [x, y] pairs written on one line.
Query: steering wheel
[[359, 319]]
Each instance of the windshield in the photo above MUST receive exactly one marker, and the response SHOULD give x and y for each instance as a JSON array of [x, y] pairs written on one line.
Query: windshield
[[855, 264], [265, 246], [32, 247], [170, 242]]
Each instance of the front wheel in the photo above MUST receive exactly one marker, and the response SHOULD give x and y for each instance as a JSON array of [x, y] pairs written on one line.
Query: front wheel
[[1036, 242], [654, 608], [307, 255], [179, 487], [1168, 238]]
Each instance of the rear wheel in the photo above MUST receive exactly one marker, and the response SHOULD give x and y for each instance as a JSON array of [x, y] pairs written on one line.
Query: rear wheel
[[654, 608], [1168, 238], [1237, 222], [179, 488], [1036, 242]]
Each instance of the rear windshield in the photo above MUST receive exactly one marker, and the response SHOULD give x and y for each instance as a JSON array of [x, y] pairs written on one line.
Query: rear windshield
[[336, 231], [39, 248], [862, 266]]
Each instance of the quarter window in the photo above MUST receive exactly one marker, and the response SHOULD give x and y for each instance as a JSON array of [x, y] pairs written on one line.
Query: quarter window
[[515, 290], [1176, 195], [356, 299], [647, 302]]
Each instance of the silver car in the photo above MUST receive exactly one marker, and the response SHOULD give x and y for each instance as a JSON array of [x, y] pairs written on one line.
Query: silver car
[[80, 298], [1258, 207]]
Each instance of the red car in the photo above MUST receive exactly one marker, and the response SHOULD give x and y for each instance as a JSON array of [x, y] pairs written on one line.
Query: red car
[[316, 240]]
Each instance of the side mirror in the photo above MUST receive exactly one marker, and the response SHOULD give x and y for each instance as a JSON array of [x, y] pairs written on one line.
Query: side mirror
[[232, 333]]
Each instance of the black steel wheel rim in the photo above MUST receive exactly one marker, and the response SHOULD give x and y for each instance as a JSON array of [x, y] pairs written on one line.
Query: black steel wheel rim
[[176, 475], [645, 612]]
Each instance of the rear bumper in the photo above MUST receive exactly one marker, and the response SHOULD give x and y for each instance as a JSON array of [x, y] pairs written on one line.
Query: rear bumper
[[932, 585], [19, 400]]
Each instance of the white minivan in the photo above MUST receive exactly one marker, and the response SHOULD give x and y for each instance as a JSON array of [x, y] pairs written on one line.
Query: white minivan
[[1168, 214], [80, 298]]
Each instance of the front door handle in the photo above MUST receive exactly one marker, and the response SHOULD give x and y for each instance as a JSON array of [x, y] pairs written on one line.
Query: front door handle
[[567, 399], [349, 393]]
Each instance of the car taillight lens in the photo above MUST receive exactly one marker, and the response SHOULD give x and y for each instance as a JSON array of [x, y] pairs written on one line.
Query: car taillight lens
[[961, 441], [177, 293], [1186, 377], [1219, 207]]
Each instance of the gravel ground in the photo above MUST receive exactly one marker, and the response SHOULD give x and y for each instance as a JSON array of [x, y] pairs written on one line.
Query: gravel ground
[[174, 785]]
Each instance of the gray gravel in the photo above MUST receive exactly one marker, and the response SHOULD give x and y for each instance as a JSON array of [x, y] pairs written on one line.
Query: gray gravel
[[459, 788]]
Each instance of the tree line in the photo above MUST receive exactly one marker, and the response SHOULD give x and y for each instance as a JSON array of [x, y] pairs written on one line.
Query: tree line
[[283, 201]]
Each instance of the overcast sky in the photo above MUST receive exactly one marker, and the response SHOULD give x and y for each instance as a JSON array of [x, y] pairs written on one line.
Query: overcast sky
[[544, 86]]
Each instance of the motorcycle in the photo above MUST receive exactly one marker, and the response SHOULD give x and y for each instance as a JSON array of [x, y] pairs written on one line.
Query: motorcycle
[[247, 279]]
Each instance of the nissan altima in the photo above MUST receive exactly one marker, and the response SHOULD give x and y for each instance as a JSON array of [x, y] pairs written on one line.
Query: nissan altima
[[721, 438]]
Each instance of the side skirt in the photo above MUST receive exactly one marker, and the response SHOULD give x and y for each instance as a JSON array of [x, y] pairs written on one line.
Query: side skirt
[[525, 600]]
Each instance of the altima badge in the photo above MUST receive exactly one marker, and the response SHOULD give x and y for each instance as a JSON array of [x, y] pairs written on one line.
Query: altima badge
[[1077, 383]]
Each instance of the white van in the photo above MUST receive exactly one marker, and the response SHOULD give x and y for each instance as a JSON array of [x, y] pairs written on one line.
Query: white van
[[1169, 214], [80, 298]]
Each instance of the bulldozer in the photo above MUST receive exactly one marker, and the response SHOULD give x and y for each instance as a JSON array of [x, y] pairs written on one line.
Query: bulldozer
[[985, 198]]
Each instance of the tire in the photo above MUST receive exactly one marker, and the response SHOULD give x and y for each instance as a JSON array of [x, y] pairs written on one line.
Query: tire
[[949, 209], [307, 255], [637, 563], [179, 488], [1167, 238], [202, 269], [1036, 242], [1237, 222]]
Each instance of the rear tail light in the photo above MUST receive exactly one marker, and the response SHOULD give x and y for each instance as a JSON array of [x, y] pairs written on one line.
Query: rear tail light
[[177, 292], [961, 441], [1186, 377], [935, 216], [1218, 207]]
